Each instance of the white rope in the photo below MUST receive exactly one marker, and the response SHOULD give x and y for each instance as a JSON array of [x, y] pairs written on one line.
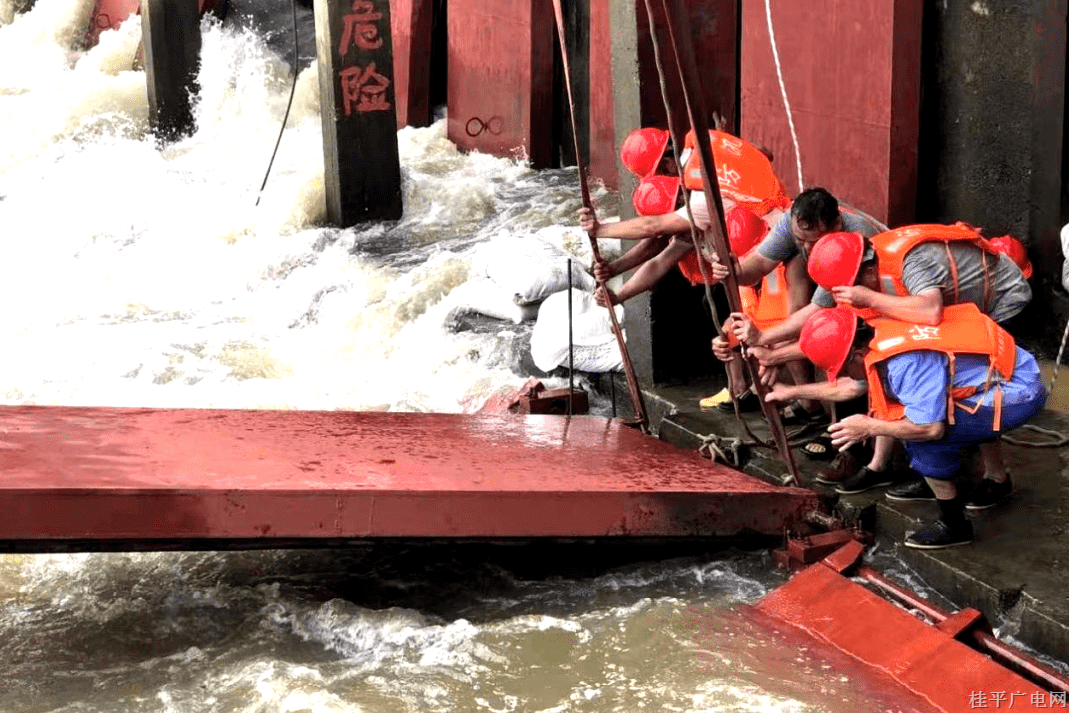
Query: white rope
[[783, 92]]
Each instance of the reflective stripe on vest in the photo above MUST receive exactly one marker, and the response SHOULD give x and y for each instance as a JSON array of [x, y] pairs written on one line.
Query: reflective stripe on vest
[[964, 330]]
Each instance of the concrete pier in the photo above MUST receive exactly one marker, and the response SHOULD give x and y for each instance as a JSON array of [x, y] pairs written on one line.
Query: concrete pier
[[362, 172], [170, 32]]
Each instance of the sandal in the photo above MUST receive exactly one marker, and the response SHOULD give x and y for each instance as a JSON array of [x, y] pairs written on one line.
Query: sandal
[[795, 415], [819, 448]]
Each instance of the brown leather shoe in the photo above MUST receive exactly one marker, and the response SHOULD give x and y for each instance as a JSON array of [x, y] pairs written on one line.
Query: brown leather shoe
[[842, 466]]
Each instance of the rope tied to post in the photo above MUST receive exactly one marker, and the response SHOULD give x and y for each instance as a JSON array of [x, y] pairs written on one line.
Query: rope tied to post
[[727, 450]]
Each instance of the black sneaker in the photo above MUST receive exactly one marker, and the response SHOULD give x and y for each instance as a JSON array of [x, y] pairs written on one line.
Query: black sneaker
[[988, 493], [912, 490], [748, 403], [864, 479], [936, 535]]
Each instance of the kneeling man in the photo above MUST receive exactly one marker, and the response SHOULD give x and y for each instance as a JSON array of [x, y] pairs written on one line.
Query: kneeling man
[[936, 388]]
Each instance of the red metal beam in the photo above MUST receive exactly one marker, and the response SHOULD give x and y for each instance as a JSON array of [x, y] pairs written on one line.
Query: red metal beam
[[712, 25], [928, 659], [146, 474], [602, 109]]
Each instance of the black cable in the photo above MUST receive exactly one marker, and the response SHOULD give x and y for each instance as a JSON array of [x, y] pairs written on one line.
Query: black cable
[[293, 90]]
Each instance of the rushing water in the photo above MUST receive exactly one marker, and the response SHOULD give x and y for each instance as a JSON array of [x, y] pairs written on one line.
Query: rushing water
[[140, 275]]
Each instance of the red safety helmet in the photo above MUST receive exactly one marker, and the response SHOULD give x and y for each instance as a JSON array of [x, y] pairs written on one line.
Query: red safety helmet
[[1017, 252], [827, 337], [642, 150], [745, 229], [835, 259], [656, 195]]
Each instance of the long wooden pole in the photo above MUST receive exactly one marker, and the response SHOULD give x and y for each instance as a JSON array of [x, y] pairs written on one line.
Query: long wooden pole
[[688, 71], [632, 382]]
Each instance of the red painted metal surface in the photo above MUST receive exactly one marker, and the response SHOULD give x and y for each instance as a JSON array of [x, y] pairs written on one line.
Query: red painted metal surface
[[113, 474], [855, 102], [109, 14], [969, 625], [500, 85], [813, 548], [602, 136], [712, 28], [410, 25], [926, 659]]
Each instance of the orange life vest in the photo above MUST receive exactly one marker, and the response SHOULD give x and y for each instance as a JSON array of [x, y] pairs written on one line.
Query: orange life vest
[[743, 172], [745, 175], [866, 314], [769, 306], [766, 307], [893, 245], [688, 265], [964, 330]]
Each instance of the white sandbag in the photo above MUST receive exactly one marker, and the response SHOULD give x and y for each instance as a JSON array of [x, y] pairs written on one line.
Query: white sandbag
[[595, 346], [1065, 252], [486, 297], [528, 268]]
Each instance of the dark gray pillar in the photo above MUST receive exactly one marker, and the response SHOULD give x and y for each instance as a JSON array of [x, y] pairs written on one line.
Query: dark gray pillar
[[357, 105], [993, 89], [170, 33]]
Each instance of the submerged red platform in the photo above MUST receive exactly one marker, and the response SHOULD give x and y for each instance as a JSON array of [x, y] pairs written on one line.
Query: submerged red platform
[[96, 478]]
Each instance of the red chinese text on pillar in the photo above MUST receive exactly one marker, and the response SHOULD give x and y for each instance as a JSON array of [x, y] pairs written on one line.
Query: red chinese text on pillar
[[363, 88]]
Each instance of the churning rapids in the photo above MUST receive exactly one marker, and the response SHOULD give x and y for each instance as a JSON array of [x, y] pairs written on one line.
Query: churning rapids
[[140, 275]]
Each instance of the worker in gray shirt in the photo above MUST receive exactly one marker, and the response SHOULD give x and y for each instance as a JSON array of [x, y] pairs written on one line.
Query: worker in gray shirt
[[911, 274]]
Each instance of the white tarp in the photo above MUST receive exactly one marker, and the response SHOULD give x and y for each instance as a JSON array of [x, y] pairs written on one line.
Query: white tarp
[[528, 267]]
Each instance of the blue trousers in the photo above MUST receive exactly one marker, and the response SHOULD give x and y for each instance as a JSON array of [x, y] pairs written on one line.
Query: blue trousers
[[941, 459]]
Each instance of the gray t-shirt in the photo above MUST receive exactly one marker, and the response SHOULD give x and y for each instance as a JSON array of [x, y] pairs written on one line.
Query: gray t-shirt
[[926, 267], [779, 245]]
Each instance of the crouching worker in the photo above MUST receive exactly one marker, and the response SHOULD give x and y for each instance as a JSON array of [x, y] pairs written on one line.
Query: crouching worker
[[936, 388]]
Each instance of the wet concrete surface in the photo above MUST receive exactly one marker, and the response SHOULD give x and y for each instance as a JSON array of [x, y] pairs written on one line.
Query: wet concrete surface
[[1016, 571]]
